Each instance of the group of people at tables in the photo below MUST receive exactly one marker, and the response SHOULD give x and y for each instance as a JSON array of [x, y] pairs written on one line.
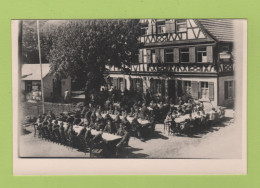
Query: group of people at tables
[[109, 127], [191, 115], [113, 123]]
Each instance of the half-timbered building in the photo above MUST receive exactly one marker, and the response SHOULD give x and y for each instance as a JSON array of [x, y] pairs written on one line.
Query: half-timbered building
[[183, 55]]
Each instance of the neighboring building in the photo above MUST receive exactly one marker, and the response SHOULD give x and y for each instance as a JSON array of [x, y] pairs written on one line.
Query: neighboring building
[[31, 83], [183, 55]]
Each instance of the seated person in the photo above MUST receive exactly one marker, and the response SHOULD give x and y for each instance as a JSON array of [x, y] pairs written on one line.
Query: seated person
[[77, 120], [82, 131], [117, 111], [83, 111], [143, 112], [62, 117], [62, 131], [117, 121], [132, 112], [111, 111], [99, 123], [124, 113], [52, 115], [110, 128]]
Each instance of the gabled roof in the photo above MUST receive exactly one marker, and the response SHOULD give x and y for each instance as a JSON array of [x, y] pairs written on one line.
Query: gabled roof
[[33, 71], [219, 29]]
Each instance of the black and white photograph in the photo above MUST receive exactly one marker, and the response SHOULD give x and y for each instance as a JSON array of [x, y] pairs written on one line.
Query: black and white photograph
[[130, 89]]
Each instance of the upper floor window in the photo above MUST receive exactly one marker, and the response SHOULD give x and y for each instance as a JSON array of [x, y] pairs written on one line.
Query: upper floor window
[[202, 55], [169, 55], [144, 29], [153, 56], [161, 28], [181, 26], [185, 55]]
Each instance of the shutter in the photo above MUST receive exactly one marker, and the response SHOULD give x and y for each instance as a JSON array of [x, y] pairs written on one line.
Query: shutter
[[161, 55], [140, 56], [226, 89], [209, 54], [124, 84], [163, 87], [211, 91], [195, 90], [141, 85], [114, 82], [157, 55], [150, 29], [176, 55], [154, 29], [170, 27], [192, 54], [167, 27], [148, 56], [151, 85], [118, 83]]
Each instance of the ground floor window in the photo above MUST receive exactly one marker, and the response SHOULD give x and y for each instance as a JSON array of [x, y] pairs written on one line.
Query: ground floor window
[[204, 90], [158, 86], [137, 84], [228, 89], [187, 85]]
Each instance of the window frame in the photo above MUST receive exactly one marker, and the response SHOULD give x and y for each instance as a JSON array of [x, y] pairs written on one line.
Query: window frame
[[187, 85], [180, 51], [201, 51], [168, 53], [160, 25], [153, 53], [144, 27], [204, 88], [179, 24]]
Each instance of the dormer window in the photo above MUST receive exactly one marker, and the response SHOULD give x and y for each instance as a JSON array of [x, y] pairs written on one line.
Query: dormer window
[[181, 26]]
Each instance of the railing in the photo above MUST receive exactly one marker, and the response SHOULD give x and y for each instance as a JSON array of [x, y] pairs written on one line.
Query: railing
[[169, 68], [226, 67]]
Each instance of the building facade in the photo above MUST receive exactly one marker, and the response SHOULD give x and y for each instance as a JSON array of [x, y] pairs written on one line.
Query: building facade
[[54, 89], [183, 56]]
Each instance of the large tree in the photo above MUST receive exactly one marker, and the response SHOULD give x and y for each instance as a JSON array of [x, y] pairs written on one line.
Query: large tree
[[81, 49]]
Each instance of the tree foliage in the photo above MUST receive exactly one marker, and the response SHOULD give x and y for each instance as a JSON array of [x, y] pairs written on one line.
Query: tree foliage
[[82, 48]]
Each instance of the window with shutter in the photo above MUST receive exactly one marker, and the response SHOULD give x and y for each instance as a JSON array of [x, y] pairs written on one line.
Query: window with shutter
[[192, 54], [211, 91], [195, 90], [210, 54], [176, 55]]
